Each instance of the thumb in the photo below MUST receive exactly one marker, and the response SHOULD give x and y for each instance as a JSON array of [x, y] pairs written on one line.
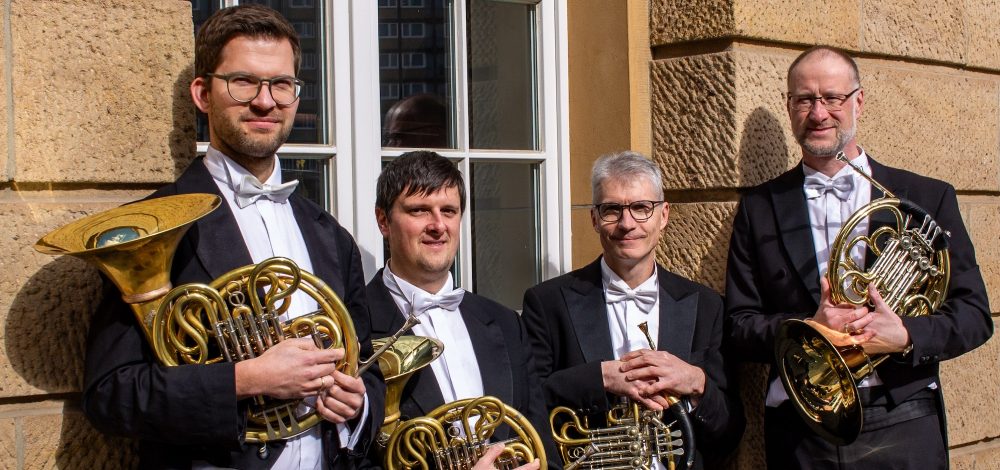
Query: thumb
[[824, 291], [876, 299]]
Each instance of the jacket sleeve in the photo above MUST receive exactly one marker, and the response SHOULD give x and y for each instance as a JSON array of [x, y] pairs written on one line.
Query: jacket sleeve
[[963, 322], [749, 329], [126, 393]]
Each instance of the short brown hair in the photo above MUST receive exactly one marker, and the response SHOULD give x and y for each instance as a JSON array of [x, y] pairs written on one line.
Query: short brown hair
[[250, 20], [419, 172], [828, 50]]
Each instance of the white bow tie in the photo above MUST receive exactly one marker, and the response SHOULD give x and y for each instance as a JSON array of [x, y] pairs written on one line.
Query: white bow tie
[[816, 186], [644, 297], [422, 301], [249, 190]]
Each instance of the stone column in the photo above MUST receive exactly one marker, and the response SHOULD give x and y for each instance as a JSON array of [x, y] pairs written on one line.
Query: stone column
[[94, 112]]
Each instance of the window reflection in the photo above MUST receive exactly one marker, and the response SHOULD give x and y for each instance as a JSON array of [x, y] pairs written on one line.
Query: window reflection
[[313, 175], [415, 81]]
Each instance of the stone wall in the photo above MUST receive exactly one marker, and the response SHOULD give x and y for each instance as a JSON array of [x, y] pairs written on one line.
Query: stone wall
[[717, 125], [95, 113]]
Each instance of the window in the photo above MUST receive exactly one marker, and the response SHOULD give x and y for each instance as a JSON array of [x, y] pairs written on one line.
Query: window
[[388, 61], [489, 79], [413, 30], [388, 30], [414, 60], [305, 30]]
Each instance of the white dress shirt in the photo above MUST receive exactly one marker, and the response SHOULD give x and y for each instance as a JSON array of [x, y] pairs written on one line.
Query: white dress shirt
[[625, 316], [269, 229], [827, 215], [456, 370]]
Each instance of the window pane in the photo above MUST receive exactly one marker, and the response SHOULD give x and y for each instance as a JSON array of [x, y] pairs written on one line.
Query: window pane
[[415, 73], [311, 120], [313, 175], [503, 96], [506, 235]]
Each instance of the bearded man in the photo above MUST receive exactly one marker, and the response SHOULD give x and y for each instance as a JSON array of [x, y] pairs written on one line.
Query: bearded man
[[780, 249]]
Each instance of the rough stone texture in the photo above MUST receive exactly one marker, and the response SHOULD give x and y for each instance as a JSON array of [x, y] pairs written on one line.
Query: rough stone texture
[[901, 128], [984, 37], [586, 243], [835, 22], [599, 110], [101, 90], [984, 456], [4, 109], [719, 120], [68, 441], [695, 243], [8, 444], [970, 390], [924, 29], [982, 218], [45, 302]]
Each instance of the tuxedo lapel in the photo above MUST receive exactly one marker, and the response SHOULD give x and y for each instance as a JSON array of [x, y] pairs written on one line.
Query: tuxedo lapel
[[589, 314], [881, 218], [491, 352], [322, 250], [217, 239], [792, 215], [678, 315]]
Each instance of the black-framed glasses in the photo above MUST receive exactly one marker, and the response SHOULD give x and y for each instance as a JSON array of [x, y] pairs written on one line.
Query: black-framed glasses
[[830, 102], [245, 87], [612, 211]]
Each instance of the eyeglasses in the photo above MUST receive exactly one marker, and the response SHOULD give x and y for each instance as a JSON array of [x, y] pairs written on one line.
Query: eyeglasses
[[245, 87], [830, 102], [612, 211]]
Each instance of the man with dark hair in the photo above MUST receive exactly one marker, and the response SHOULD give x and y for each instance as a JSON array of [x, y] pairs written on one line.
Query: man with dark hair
[[778, 259], [584, 325], [419, 205], [195, 416]]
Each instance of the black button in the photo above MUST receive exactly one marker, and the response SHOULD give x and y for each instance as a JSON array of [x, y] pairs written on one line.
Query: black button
[[935, 358], [923, 359]]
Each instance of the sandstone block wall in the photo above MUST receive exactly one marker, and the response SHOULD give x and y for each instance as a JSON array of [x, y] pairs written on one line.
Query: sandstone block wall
[[94, 114]]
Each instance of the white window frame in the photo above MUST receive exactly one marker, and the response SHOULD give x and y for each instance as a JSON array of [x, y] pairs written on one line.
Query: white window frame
[[407, 30], [352, 107]]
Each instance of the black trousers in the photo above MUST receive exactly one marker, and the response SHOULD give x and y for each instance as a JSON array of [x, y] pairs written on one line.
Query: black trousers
[[907, 436]]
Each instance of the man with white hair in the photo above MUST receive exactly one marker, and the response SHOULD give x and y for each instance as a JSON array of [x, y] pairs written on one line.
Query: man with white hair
[[584, 325]]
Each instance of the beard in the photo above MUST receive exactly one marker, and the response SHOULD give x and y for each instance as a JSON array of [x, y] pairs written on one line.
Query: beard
[[248, 147], [843, 137]]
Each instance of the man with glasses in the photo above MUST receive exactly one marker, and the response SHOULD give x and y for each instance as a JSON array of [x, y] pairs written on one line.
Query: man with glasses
[[778, 260], [584, 325], [196, 416]]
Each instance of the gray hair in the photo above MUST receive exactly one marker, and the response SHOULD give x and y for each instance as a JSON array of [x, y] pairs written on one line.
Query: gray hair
[[623, 166]]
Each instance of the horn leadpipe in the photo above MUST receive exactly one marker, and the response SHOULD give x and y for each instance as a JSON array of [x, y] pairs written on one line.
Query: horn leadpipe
[[843, 157]]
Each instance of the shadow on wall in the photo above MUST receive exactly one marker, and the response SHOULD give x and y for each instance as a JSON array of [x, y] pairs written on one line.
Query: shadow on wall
[[45, 342], [183, 145], [763, 153]]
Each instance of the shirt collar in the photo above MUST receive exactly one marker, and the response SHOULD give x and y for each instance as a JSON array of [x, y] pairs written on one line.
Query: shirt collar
[[408, 289], [861, 161], [609, 276], [226, 170]]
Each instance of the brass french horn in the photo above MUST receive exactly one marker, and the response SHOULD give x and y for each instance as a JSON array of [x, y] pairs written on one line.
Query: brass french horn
[[455, 435], [227, 320], [819, 370], [634, 438]]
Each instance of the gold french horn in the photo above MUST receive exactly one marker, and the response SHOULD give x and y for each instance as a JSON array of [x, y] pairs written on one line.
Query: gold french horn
[[634, 438], [818, 369], [226, 320], [455, 435]]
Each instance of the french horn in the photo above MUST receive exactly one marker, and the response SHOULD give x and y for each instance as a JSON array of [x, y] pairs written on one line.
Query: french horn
[[456, 435], [819, 369], [634, 439], [235, 317]]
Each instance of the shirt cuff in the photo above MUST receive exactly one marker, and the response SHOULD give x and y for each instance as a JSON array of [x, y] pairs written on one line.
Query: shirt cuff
[[349, 438]]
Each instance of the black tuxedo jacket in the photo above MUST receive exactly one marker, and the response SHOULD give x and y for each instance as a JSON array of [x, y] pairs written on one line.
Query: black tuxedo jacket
[[190, 412], [502, 351], [567, 321], [773, 276]]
